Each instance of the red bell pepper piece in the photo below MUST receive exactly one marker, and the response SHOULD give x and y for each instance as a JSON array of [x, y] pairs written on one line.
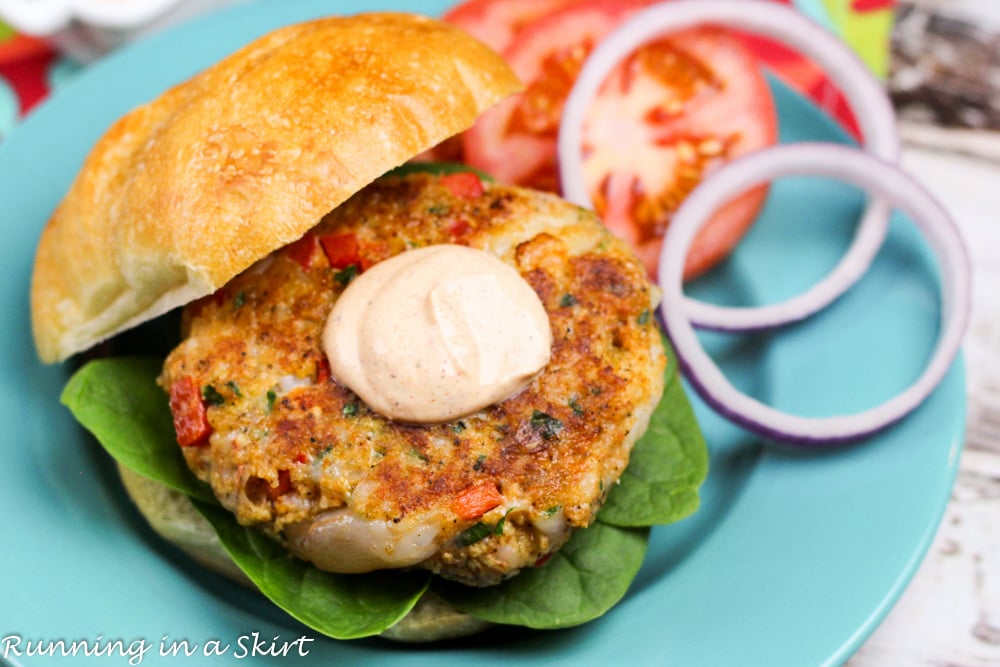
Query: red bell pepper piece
[[190, 413], [342, 250], [476, 500], [302, 250], [463, 184]]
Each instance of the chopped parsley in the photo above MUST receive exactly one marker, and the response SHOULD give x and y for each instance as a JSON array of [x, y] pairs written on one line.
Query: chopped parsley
[[238, 302], [235, 388], [552, 510], [480, 460], [439, 209], [458, 427], [212, 395], [474, 534], [643, 318], [567, 300], [577, 410], [271, 398], [546, 425], [498, 529], [350, 409], [346, 275]]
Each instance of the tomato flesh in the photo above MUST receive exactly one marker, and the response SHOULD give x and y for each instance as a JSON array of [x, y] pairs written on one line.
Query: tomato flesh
[[515, 141], [668, 116], [673, 113], [497, 22]]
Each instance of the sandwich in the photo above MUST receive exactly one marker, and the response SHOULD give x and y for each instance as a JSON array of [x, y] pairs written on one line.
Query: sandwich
[[400, 400]]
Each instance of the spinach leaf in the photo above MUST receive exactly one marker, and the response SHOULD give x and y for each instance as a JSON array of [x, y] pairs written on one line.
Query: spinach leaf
[[436, 169], [667, 465], [119, 402], [338, 605], [579, 583]]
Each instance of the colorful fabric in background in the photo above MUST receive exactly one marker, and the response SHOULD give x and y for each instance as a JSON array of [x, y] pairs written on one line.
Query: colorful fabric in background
[[23, 63], [30, 68], [865, 25]]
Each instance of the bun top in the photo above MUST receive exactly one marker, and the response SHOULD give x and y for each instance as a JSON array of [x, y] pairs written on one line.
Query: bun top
[[185, 192]]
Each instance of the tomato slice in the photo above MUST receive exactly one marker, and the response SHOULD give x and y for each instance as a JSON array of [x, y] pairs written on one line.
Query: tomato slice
[[496, 22], [515, 141], [670, 114], [674, 113]]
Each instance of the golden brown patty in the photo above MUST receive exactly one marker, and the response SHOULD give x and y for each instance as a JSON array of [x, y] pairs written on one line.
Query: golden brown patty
[[476, 499]]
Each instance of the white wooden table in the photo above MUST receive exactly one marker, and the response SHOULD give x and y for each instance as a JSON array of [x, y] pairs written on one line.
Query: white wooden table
[[949, 616]]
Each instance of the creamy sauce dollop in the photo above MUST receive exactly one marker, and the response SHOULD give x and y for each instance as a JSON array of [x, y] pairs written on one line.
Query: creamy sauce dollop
[[437, 333]]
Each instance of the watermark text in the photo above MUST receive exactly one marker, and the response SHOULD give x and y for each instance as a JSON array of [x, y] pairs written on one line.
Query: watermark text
[[134, 651]]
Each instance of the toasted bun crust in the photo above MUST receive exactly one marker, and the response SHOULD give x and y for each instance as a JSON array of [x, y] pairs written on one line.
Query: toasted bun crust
[[183, 193], [171, 514]]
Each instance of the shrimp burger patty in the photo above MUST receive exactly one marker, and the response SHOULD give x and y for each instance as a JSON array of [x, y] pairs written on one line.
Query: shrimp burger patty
[[294, 451], [260, 192]]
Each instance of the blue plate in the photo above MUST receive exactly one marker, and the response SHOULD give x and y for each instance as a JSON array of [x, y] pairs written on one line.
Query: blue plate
[[793, 559]]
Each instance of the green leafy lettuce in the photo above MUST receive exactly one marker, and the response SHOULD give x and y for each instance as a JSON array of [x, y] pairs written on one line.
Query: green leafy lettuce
[[119, 402]]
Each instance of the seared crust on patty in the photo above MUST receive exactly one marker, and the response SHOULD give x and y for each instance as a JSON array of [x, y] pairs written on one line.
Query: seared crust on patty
[[299, 455]]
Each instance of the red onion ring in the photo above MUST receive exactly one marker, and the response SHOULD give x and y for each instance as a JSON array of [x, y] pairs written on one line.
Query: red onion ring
[[869, 173], [865, 95]]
